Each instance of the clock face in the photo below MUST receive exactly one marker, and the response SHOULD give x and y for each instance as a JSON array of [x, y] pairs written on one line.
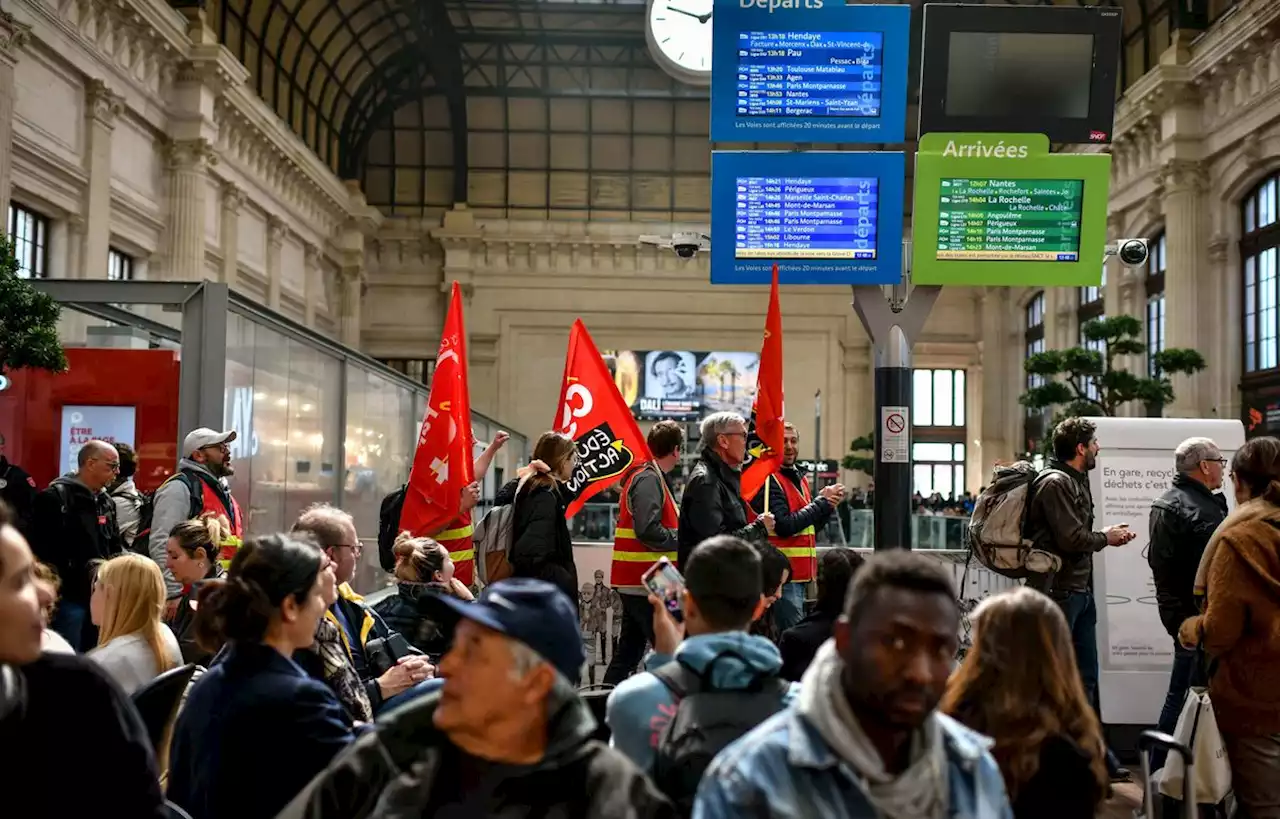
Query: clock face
[[680, 35]]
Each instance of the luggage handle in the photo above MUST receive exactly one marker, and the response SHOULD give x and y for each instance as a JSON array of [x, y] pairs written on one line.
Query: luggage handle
[[1157, 739]]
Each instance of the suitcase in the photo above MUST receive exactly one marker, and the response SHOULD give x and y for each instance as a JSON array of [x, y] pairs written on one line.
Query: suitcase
[[1150, 797]]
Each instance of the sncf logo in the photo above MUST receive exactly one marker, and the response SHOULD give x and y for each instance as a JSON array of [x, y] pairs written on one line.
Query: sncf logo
[[1097, 136]]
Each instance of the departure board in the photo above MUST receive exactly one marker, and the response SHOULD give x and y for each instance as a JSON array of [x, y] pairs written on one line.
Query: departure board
[[806, 217], [810, 74], [1010, 219]]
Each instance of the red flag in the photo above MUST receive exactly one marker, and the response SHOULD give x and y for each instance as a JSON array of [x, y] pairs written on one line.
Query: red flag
[[593, 413], [764, 433], [443, 464]]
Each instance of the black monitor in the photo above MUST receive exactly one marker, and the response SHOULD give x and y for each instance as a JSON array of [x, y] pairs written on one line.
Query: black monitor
[[1020, 69]]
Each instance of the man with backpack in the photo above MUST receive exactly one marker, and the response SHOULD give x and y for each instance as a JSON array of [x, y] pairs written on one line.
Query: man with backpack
[[199, 486], [702, 693]]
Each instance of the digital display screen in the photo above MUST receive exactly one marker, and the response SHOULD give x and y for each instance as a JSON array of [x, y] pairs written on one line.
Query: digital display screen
[[810, 74], [1010, 219], [1019, 74], [806, 217]]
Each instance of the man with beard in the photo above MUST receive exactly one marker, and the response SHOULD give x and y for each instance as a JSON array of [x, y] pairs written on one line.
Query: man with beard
[[198, 487], [863, 740], [1060, 521]]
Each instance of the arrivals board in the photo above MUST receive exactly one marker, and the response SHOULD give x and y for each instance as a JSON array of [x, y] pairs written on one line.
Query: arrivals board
[[1029, 220], [824, 217], [808, 71]]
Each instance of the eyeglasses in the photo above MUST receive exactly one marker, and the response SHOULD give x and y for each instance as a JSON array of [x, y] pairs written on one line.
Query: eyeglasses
[[220, 447], [1222, 462], [114, 466], [734, 434], [356, 548]]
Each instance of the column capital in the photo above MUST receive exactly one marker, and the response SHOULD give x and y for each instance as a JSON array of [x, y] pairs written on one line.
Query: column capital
[[13, 37], [276, 230], [102, 105], [1218, 247], [233, 197], [1183, 175], [190, 154], [310, 255]]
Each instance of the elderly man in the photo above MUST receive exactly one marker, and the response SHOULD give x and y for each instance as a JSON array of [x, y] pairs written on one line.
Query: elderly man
[[1181, 523], [73, 525], [712, 503], [506, 736]]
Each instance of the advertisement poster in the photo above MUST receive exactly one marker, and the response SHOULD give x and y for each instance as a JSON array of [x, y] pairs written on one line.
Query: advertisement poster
[[81, 424], [684, 385]]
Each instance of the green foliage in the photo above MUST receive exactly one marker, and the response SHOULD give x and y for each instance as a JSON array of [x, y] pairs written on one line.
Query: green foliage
[[28, 321], [1069, 374], [861, 457]]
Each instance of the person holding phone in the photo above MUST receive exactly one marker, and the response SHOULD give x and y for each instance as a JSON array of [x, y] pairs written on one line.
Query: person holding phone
[[1060, 521]]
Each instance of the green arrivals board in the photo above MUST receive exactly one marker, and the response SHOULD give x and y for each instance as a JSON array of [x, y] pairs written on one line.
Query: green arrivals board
[[1034, 220], [1000, 210]]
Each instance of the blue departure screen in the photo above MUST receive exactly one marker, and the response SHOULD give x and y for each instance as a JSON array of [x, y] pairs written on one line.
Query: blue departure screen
[[810, 74], [806, 217]]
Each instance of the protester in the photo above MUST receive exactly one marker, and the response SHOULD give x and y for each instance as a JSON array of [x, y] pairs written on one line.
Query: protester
[[647, 530], [712, 503], [197, 488], [388, 680], [17, 488], [1181, 523], [507, 736], [422, 567], [1060, 521], [134, 646], [863, 740], [255, 728], [797, 518], [542, 547], [191, 557], [1018, 685], [73, 525], [125, 495], [799, 644], [73, 743], [1240, 627]]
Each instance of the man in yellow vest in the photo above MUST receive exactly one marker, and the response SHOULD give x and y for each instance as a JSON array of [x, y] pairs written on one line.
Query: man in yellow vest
[[646, 531], [797, 518]]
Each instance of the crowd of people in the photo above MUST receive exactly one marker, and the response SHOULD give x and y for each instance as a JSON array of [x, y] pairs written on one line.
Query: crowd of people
[[739, 697]]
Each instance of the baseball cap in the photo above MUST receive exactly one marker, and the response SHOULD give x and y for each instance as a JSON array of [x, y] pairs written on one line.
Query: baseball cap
[[529, 611], [203, 437]]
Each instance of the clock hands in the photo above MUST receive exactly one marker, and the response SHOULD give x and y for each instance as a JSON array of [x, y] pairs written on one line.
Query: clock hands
[[701, 18]]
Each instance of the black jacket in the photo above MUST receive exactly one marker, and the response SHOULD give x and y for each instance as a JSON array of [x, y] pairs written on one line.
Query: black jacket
[[1063, 787], [541, 545], [400, 613], [787, 523], [71, 527], [800, 643], [407, 768], [18, 489], [184, 620], [1181, 523], [1060, 521], [712, 505]]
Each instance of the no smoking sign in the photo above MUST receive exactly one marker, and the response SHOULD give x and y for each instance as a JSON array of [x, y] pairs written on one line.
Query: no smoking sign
[[894, 444]]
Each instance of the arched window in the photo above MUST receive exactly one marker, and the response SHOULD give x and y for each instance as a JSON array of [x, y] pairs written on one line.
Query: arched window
[[1156, 265], [1259, 241]]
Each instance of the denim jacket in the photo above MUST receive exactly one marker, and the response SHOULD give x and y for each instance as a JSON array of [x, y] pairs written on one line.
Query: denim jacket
[[785, 770]]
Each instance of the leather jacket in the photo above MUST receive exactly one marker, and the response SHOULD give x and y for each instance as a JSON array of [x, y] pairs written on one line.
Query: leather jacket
[[712, 505], [1181, 523], [1060, 521]]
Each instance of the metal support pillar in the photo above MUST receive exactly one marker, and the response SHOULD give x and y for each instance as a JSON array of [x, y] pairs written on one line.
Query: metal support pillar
[[893, 322], [202, 387]]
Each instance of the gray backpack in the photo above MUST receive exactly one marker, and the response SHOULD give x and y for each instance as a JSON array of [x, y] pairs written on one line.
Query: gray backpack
[[996, 525], [492, 538]]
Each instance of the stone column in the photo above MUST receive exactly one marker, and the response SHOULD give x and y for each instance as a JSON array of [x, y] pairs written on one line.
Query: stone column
[[275, 243], [1000, 386], [13, 36], [1186, 235], [188, 162], [351, 288], [229, 232], [102, 106], [311, 282]]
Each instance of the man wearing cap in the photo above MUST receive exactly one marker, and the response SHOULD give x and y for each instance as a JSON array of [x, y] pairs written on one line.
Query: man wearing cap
[[507, 735], [197, 487]]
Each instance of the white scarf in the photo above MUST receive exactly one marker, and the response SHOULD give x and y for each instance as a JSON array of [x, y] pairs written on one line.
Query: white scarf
[[920, 792]]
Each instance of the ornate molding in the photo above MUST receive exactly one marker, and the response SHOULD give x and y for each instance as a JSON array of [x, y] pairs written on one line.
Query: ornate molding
[[276, 230], [1183, 175], [310, 256], [212, 65], [233, 198], [189, 154], [13, 37], [1218, 247], [102, 105]]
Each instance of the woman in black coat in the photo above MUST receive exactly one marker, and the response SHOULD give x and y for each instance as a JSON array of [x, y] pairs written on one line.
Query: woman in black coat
[[800, 643]]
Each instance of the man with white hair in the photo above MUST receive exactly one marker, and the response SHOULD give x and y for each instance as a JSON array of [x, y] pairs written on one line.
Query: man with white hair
[[712, 503], [507, 735], [1182, 521]]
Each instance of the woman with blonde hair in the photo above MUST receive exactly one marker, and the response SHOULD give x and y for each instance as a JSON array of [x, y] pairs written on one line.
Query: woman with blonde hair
[[1019, 686], [192, 558], [542, 547], [134, 646], [423, 567]]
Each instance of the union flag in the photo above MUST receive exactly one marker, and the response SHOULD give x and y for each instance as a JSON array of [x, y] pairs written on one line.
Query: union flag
[[764, 430]]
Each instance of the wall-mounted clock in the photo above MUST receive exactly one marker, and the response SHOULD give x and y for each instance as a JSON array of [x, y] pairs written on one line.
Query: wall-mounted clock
[[679, 37]]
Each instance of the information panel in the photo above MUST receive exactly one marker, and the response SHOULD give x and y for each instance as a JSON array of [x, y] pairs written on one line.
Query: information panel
[[818, 71], [995, 220], [824, 217], [1000, 210]]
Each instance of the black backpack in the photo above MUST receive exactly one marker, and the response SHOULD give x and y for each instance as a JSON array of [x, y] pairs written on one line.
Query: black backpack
[[389, 527], [706, 721], [142, 540]]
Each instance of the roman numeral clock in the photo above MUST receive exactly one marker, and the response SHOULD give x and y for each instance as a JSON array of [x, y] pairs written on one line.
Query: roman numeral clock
[[679, 36]]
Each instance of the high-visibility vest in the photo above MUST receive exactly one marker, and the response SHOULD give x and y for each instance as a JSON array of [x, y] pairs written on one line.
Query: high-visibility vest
[[212, 501], [631, 558], [801, 548], [457, 540]]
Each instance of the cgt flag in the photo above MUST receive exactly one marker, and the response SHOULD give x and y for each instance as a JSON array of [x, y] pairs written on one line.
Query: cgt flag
[[764, 431], [443, 465], [593, 413]]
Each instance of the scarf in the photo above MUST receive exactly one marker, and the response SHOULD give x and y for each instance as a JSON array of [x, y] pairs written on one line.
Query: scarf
[[339, 674], [919, 792]]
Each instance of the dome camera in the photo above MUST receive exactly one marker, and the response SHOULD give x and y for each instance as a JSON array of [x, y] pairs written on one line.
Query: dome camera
[[1132, 252], [686, 245]]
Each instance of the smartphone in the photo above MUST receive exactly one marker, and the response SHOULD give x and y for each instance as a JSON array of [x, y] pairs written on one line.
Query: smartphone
[[665, 582]]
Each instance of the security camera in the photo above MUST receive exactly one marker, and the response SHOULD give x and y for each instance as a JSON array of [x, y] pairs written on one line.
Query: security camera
[[686, 244], [1132, 252]]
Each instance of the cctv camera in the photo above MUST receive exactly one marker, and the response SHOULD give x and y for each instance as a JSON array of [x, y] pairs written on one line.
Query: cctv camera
[[1132, 252], [685, 251]]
